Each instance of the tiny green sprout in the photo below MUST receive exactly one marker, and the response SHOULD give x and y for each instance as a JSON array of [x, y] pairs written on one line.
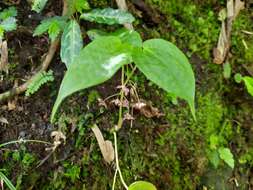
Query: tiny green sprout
[[238, 78]]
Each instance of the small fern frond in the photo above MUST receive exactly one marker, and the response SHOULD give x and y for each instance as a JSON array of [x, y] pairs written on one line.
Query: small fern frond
[[40, 79]]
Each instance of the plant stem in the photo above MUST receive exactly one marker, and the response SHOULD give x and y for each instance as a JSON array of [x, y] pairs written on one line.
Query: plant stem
[[120, 121], [117, 161], [24, 141], [109, 97], [114, 179], [123, 6], [117, 127], [129, 76]]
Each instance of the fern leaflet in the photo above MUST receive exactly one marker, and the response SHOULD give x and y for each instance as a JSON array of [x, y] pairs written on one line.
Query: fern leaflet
[[40, 79]]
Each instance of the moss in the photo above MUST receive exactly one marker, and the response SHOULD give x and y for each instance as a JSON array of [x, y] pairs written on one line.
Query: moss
[[185, 139], [99, 3], [92, 97], [196, 24], [242, 43]]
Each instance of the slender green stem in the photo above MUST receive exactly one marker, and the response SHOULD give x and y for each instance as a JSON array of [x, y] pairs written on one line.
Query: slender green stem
[[123, 83], [114, 179], [24, 141], [120, 121], [109, 97], [117, 161], [129, 76]]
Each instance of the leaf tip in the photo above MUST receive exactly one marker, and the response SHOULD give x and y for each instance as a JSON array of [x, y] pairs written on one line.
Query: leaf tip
[[193, 110]]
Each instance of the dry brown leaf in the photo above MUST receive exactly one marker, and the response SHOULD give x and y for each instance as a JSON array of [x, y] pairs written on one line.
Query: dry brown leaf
[[220, 53], [58, 137], [4, 56], [128, 116], [11, 105], [239, 5], [124, 89], [106, 147], [147, 109], [102, 103], [139, 105], [124, 103]]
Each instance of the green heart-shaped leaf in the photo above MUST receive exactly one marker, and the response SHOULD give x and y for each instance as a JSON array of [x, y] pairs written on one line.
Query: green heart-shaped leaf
[[165, 65], [95, 64], [142, 185]]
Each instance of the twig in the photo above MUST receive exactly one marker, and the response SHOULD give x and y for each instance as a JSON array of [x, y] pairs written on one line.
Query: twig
[[45, 64], [40, 163]]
